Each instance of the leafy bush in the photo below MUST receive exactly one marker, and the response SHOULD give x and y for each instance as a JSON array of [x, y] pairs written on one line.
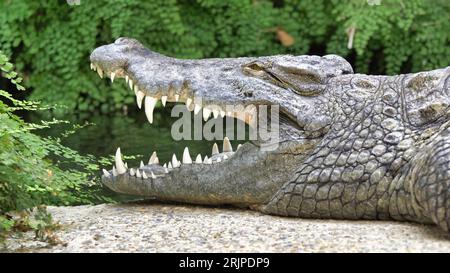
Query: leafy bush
[[38, 220], [28, 177], [51, 40]]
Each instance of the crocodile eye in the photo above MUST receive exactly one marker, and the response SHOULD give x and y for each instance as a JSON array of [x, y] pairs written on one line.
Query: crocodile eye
[[255, 67], [120, 40]]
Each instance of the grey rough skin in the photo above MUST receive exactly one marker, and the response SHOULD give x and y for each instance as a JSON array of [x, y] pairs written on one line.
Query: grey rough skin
[[352, 146]]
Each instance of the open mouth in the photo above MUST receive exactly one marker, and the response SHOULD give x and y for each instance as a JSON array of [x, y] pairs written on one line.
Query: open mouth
[[174, 94]]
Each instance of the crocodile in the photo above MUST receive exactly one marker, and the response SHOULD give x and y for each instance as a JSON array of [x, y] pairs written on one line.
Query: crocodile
[[350, 146]]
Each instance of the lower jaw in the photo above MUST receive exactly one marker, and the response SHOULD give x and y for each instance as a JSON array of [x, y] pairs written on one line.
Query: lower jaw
[[243, 178]]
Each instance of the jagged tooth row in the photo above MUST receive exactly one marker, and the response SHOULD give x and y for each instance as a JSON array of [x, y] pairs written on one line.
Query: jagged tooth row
[[120, 167], [175, 163], [150, 101], [186, 159]]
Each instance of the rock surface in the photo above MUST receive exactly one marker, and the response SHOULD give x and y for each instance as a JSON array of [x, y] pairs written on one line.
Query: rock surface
[[150, 227]]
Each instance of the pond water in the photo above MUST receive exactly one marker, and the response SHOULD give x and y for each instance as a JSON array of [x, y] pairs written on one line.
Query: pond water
[[132, 133]]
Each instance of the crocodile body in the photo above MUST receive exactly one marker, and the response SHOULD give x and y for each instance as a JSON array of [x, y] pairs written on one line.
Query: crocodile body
[[351, 146]]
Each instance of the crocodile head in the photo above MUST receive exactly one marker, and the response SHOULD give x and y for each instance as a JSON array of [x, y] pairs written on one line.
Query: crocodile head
[[252, 173]]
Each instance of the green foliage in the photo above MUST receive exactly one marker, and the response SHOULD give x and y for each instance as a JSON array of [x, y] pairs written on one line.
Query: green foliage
[[28, 175], [51, 41], [38, 220]]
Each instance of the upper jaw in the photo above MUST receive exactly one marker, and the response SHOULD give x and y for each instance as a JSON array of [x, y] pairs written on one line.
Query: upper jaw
[[155, 80]]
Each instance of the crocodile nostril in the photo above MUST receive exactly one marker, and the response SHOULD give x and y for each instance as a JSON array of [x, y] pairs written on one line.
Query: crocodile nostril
[[248, 94]]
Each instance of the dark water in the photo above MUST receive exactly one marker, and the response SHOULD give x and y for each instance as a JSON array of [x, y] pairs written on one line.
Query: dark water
[[132, 133]]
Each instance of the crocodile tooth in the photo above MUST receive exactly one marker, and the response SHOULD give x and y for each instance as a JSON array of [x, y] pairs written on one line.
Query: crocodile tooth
[[239, 146], [188, 103], [93, 67], [169, 166], [153, 159], [164, 100], [114, 171], [227, 145], [166, 170], [174, 161], [219, 160], [177, 97], [105, 172], [141, 165], [153, 175], [186, 156], [138, 174], [132, 172], [215, 113], [205, 161], [127, 78], [209, 161], [119, 163], [225, 157], [206, 114], [100, 72], [215, 149], [144, 175], [198, 159], [126, 165], [113, 75], [136, 89], [150, 103], [139, 98], [197, 109], [165, 165], [130, 83], [222, 113]]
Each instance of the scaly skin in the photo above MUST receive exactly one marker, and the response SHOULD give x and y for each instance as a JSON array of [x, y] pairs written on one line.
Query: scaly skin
[[351, 146]]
